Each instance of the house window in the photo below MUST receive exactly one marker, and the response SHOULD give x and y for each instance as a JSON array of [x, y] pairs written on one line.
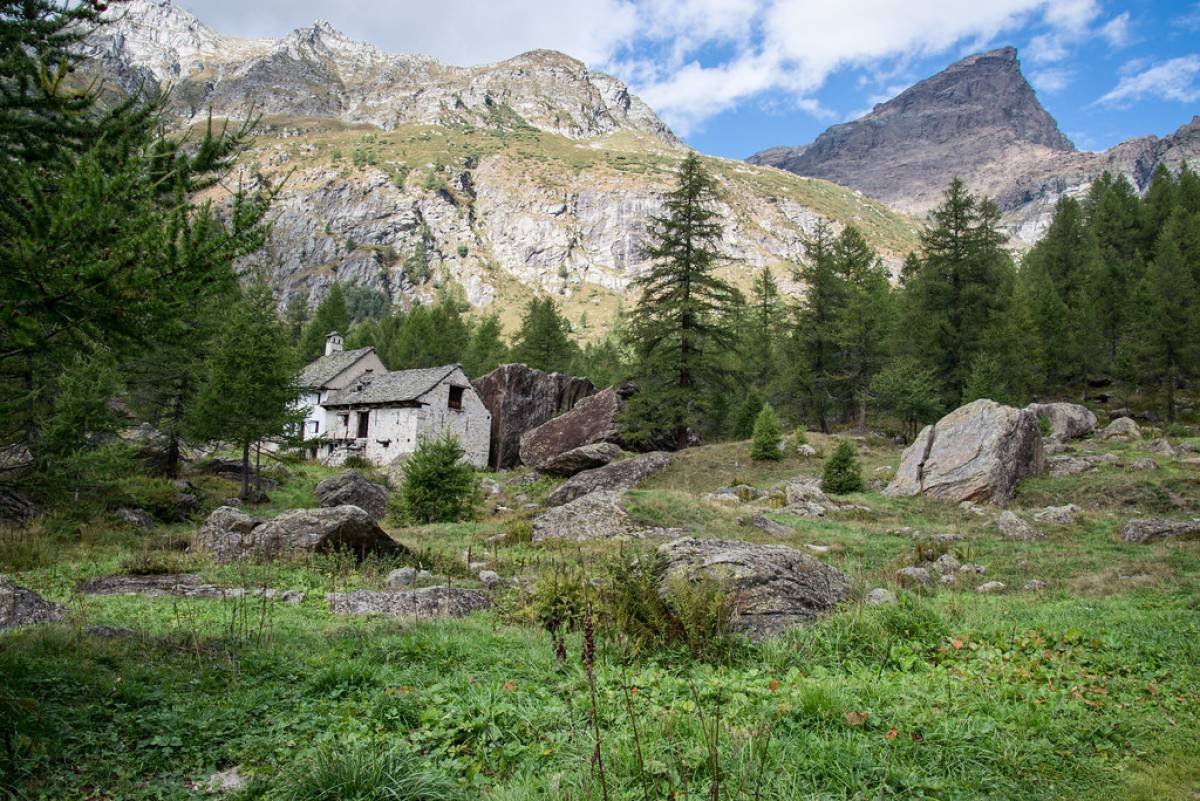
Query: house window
[[314, 426], [456, 397], [363, 417]]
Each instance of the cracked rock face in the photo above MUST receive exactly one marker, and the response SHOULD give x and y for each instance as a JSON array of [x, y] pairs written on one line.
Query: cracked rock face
[[977, 453], [617, 476], [772, 587], [354, 489], [520, 399]]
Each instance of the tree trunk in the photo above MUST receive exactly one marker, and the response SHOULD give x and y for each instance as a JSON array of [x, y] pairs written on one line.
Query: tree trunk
[[861, 428], [173, 439], [258, 467], [245, 471]]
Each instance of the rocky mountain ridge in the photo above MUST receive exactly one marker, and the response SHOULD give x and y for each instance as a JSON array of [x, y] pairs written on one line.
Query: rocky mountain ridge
[[981, 120], [405, 175]]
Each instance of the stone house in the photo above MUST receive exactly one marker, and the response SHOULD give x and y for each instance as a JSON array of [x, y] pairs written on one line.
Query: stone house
[[381, 416], [332, 372]]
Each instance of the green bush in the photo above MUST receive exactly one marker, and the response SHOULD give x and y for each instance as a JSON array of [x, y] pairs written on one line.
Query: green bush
[[747, 413], [362, 772], [799, 437], [439, 487], [559, 599], [463, 250], [357, 462], [765, 443], [1176, 430], [842, 471], [157, 496]]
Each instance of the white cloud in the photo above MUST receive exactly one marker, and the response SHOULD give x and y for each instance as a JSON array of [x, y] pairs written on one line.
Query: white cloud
[[1046, 47], [1052, 80], [1116, 30], [1190, 20], [1175, 79]]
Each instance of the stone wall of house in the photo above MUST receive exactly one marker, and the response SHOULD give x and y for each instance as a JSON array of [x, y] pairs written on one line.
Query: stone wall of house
[[391, 433], [472, 425]]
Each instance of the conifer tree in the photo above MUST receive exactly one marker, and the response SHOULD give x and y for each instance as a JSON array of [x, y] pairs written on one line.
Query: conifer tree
[[250, 391], [296, 315], [865, 318], [486, 350], [747, 412], [815, 344], [764, 319], [764, 445], [331, 315], [681, 326], [842, 472], [542, 342]]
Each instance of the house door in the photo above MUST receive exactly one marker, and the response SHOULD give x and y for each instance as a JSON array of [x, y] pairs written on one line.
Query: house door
[[363, 417]]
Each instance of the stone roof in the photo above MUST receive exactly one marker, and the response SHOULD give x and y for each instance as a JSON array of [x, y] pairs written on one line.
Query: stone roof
[[401, 386], [325, 369]]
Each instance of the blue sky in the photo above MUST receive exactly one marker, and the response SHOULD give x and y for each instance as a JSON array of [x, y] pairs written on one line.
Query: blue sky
[[735, 76]]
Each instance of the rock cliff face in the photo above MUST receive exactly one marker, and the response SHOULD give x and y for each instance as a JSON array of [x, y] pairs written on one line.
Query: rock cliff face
[[978, 119], [403, 174]]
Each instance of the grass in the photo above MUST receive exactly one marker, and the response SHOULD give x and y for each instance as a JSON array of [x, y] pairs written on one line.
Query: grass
[[1088, 689]]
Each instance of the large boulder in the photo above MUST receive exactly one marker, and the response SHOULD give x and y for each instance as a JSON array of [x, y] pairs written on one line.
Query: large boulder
[[772, 587], [595, 516], [230, 535], [354, 489], [1122, 428], [520, 399], [622, 475], [22, 607], [428, 602], [1156, 529], [1067, 420], [585, 457], [978, 453], [596, 418]]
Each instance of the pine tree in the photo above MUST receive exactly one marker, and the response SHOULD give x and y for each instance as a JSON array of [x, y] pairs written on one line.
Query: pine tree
[[1112, 212], [764, 445], [955, 299], [907, 389], [331, 315], [1169, 332], [842, 472], [865, 319], [439, 487], [250, 389], [296, 315], [681, 326], [764, 320], [542, 342], [815, 342], [486, 350], [751, 406]]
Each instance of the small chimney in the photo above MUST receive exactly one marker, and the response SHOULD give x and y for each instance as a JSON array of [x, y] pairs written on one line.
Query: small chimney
[[333, 342]]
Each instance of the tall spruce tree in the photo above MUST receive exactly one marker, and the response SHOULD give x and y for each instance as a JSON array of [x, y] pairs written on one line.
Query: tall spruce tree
[[681, 325], [250, 390], [865, 319], [542, 341], [763, 324], [815, 342], [331, 315], [486, 350]]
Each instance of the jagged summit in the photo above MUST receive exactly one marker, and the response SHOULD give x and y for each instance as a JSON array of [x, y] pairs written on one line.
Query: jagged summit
[[318, 71], [972, 114]]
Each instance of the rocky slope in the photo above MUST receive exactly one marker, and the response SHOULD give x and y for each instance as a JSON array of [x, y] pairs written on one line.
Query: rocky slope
[[978, 119], [403, 174]]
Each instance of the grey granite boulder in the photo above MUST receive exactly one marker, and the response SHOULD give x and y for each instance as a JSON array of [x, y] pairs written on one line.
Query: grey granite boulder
[[22, 607], [230, 535], [978, 453], [623, 475], [1157, 529], [1122, 428], [1066, 420], [1062, 466], [1016, 528], [585, 457], [594, 419], [354, 489], [595, 516], [772, 587], [1058, 515], [520, 399], [425, 603]]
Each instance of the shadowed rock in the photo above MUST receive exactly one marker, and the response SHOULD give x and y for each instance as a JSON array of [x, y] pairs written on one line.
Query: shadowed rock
[[1015, 528], [428, 602], [585, 457], [22, 607], [230, 535], [978, 453], [520, 399], [594, 419], [622, 475], [772, 587], [354, 489]]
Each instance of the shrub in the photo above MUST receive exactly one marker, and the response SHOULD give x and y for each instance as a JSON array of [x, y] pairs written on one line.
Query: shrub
[[765, 444], [364, 773], [743, 422], [517, 531], [799, 437], [157, 496], [842, 471], [357, 462], [1044, 426], [1176, 430], [558, 599], [439, 487], [463, 250]]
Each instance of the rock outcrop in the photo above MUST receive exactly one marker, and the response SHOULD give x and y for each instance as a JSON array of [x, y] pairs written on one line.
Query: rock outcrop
[[585, 457], [623, 475], [230, 535], [594, 516], [1122, 428], [772, 587], [184, 585], [1158, 529], [424, 603], [1066, 420], [1017, 528], [22, 607], [977, 453], [354, 489], [520, 399], [593, 420]]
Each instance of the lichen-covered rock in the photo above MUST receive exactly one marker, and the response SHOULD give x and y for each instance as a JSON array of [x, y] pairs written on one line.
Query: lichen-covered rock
[[772, 587], [1122, 428], [594, 516], [1059, 515], [978, 453], [990, 587], [1145, 463], [880, 596], [184, 585], [1157, 529], [1067, 420], [585, 457], [352, 488], [230, 535], [623, 475], [1062, 466], [22, 607], [1162, 446], [138, 518], [520, 399], [913, 576], [424, 603], [594, 419], [1015, 528], [767, 525]]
